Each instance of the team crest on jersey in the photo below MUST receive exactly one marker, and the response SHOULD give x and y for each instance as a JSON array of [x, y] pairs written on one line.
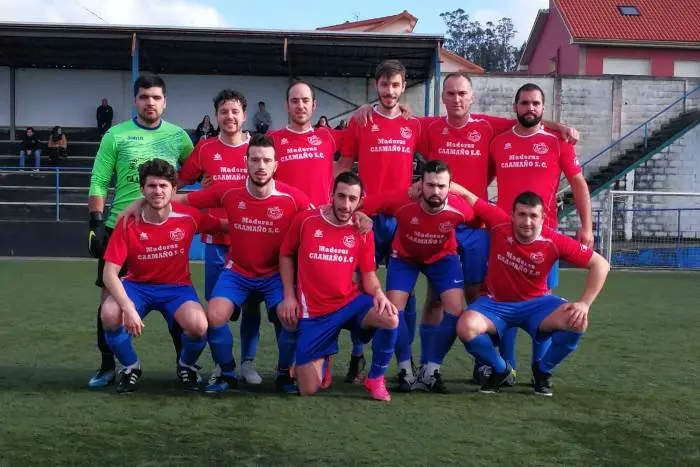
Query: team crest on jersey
[[349, 241], [445, 131], [540, 148], [446, 227], [474, 136], [284, 141], [274, 213], [584, 247], [406, 132], [315, 140], [375, 127], [242, 205], [509, 240], [318, 233], [143, 236], [415, 221], [177, 235], [537, 257], [507, 146], [217, 157]]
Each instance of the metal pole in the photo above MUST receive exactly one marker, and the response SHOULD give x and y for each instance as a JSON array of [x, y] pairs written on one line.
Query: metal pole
[[58, 194], [678, 240], [610, 228], [436, 87], [134, 65], [426, 110]]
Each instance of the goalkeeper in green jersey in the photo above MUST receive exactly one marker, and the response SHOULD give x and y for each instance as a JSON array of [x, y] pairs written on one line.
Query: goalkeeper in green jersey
[[122, 149]]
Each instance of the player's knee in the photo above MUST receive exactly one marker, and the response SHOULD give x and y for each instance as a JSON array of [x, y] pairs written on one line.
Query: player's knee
[[580, 327], [469, 326], [307, 386], [219, 312], [391, 322], [110, 314], [198, 325]]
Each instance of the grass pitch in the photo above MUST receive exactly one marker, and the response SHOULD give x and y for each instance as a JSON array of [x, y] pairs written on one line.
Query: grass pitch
[[629, 396]]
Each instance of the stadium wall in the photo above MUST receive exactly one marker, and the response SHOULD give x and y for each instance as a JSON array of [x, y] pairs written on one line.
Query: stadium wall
[[4, 96]]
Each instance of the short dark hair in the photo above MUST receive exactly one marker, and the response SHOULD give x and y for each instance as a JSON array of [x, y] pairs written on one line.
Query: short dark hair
[[436, 166], [29, 128], [349, 178], [528, 87], [528, 198], [301, 81], [260, 140], [230, 95], [157, 168], [389, 68], [457, 74], [147, 81], [261, 103]]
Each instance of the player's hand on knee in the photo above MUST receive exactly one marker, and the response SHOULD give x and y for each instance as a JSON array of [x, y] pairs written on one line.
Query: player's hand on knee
[[132, 211], [287, 312], [578, 315], [96, 235], [363, 222], [207, 181], [132, 321], [384, 306], [363, 114]]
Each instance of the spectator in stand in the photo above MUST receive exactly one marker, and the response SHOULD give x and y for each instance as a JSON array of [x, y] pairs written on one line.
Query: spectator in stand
[[205, 129], [30, 146], [342, 125], [104, 116], [262, 119], [58, 145], [323, 122]]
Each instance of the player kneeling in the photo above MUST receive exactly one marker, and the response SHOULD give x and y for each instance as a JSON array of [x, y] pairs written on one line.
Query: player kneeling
[[158, 277], [329, 249], [523, 251]]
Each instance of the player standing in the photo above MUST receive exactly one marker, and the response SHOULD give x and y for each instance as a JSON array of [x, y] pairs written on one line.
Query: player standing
[[384, 152], [122, 150], [523, 252], [425, 242], [157, 250], [222, 159], [329, 250], [530, 158]]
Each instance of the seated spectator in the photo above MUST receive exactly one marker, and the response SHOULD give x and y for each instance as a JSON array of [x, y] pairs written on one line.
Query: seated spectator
[[57, 146], [322, 122], [262, 119], [30, 146], [204, 130]]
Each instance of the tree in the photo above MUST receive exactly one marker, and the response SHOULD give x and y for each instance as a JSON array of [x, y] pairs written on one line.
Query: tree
[[490, 47]]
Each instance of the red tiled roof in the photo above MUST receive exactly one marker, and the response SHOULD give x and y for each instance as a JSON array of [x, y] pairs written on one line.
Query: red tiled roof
[[676, 21], [369, 22]]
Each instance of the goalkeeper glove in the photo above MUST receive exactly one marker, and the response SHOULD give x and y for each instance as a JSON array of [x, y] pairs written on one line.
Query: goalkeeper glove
[[96, 235]]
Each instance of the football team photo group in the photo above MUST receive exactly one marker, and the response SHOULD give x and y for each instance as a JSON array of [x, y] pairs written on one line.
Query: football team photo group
[[296, 221]]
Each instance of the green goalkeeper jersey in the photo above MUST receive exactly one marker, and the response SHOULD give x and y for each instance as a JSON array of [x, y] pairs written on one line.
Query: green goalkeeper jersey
[[126, 146]]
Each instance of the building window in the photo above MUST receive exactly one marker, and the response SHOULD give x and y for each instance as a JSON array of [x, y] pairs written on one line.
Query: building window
[[628, 10]]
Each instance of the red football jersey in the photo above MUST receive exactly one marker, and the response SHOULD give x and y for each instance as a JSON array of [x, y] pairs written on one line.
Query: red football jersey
[[384, 151], [306, 161], [532, 163], [327, 257], [159, 253], [256, 226], [223, 163], [421, 237], [518, 271]]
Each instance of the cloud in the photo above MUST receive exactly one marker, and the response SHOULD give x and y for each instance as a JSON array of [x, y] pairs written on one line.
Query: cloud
[[150, 12]]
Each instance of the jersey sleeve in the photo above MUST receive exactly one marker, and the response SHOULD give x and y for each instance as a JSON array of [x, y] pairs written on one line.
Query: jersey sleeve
[[210, 197], [118, 246], [292, 239], [191, 169], [572, 251], [350, 140], [209, 224], [185, 146], [384, 204], [462, 206], [366, 261], [567, 160], [499, 124], [491, 214], [302, 201], [337, 138], [104, 165], [423, 145]]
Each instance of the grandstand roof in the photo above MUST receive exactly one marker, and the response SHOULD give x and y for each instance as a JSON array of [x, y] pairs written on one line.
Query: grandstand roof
[[213, 51]]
